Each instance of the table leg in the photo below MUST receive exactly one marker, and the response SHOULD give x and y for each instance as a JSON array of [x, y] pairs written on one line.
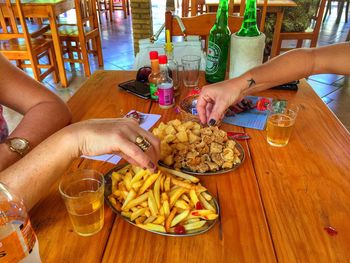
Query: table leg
[[277, 31], [58, 49]]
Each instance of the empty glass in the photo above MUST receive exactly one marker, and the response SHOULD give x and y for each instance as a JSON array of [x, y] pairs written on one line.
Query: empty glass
[[191, 65]]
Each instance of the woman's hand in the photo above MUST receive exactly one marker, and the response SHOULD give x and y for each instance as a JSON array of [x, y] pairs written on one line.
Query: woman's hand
[[116, 136], [216, 98]]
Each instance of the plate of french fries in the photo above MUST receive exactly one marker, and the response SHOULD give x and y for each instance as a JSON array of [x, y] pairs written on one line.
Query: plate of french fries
[[168, 202], [192, 149]]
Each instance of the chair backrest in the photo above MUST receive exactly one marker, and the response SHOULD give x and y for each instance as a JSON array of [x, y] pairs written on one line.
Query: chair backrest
[[9, 26], [86, 14], [199, 25], [241, 7], [261, 14], [195, 6], [317, 18]]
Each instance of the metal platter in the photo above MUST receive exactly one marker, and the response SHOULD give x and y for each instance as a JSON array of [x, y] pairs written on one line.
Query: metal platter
[[187, 171], [209, 224]]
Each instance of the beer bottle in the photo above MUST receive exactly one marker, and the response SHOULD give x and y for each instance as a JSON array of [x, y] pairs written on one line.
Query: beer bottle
[[249, 26], [219, 42]]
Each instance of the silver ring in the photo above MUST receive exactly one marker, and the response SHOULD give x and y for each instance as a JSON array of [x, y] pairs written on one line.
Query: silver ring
[[141, 142]]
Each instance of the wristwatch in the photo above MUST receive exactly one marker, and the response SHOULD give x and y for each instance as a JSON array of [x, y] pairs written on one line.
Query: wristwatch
[[18, 145]]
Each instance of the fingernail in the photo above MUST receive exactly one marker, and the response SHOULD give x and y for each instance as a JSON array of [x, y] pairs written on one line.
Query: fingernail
[[151, 165], [212, 122]]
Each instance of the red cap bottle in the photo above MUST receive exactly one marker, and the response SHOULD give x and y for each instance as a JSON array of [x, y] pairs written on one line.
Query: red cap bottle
[[163, 59], [153, 55]]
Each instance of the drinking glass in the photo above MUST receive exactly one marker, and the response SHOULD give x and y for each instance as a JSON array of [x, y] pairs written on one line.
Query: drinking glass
[[280, 124], [191, 65], [82, 192]]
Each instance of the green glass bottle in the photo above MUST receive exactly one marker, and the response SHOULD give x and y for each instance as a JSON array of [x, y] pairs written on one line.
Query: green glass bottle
[[219, 42], [249, 26]]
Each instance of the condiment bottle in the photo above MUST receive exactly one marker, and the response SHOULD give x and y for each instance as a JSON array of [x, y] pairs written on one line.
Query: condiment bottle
[[153, 78], [165, 85]]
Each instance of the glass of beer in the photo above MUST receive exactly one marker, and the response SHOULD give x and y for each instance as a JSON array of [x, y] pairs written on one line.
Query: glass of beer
[[280, 125], [82, 192]]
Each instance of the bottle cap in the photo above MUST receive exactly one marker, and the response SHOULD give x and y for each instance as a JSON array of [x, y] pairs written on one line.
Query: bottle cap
[[153, 55], [163, 59]]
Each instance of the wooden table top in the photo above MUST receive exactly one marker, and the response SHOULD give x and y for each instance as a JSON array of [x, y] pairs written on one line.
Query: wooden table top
[[275, 207], [270, 3]]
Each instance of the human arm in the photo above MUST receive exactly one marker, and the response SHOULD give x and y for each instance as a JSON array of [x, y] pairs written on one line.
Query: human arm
[[296, 64], [38, 170], [43, 112]]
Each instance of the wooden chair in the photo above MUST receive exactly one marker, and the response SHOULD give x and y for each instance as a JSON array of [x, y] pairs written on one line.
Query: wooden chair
[[103, 8], [199, 25], [121, 5], [187, 10], [17, 43], [261, 14], [309, 34], [83, 38]]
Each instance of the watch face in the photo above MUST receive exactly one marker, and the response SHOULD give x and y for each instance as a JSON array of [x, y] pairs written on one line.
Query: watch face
[[19, 144]]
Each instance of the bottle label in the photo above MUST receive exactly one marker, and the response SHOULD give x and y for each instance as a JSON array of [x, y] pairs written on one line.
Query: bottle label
[[213, 57], [166, 94], [11, 249], [153, 91], [18, 244]]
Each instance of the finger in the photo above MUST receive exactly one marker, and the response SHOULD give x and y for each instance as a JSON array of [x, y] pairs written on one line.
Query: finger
[[201, 108], [134, 152], [209, 109], [217, 113], [155, 143]]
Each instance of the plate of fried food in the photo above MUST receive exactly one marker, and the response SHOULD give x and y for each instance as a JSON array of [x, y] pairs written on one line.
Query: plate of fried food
[[192, 149], [170, 204]]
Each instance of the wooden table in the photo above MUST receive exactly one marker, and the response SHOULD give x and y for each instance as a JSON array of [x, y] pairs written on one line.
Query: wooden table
[[273, 208], [50, 9], [273, 6]]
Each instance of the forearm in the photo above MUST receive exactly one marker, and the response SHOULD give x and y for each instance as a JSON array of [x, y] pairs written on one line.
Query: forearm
[[38, 123], [34, 174], [297, 64]]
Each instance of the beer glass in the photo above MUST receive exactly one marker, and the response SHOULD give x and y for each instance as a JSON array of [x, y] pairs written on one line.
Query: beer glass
[[280, 124], [191, 65], [82, 192]]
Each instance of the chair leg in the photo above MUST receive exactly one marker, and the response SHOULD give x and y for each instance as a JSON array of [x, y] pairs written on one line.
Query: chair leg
[[85, 58], [128, 7], [70, 53], [124, 8], [347, 11], [53, 63], [36, 71], [299, 43], [99, 51], [19, 64]]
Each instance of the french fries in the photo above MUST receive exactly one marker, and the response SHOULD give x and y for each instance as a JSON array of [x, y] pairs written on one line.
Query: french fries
[[165, 201]]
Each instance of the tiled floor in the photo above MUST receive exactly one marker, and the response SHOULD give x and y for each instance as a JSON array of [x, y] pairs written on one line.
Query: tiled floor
[[118, 54]]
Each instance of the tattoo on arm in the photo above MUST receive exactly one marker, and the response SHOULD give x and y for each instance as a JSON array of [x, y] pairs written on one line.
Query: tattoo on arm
[[251, 82]]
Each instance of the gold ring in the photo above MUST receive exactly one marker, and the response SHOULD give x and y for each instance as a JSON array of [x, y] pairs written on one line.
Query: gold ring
[[142, 143]]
